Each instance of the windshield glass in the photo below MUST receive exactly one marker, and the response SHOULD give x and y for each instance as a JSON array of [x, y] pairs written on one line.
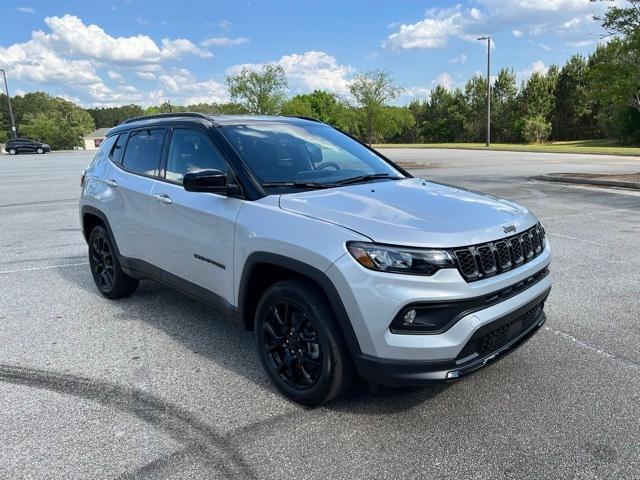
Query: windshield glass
[[287, 153]]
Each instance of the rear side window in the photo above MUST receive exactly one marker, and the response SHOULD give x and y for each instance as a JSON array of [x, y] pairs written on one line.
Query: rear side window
[[143, 151], [118, 148]]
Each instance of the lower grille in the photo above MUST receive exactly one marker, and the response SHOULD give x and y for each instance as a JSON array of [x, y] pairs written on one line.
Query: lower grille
[[493, 340]]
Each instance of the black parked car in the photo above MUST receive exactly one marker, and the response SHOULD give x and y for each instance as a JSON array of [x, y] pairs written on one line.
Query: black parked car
[[24, 145]]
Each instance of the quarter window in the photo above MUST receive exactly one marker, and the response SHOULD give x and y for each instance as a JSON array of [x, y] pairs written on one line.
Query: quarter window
[[143, 151], [191, 150], [118, 148]]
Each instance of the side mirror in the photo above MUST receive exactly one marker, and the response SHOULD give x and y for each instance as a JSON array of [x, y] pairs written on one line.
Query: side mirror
[[208, 181]]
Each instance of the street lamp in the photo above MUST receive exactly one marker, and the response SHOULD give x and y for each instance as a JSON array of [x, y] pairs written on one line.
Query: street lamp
[[6, 89], [488, 39]]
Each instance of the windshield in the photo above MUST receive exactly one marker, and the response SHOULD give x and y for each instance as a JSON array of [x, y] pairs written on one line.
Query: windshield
[[281, 154]]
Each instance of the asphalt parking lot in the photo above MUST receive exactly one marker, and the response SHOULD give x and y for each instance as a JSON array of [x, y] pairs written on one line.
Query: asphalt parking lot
[[160, 386]]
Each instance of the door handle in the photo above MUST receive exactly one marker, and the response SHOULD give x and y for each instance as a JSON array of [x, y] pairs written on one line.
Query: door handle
[[111, 183], [164, 198]]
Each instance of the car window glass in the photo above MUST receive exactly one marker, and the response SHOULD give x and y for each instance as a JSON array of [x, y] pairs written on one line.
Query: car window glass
[[191, 150], [118, 148], [284, 152], [144, 147]]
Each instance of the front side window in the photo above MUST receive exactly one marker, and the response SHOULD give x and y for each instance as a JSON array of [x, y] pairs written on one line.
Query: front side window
[[318, 155], [189, 151], [143, 151]]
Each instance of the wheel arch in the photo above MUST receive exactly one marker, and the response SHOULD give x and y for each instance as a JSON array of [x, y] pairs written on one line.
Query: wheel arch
[[92, 217], [263, 269]]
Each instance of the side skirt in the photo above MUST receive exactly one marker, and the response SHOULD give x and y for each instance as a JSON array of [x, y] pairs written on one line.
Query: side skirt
[[140, 269]]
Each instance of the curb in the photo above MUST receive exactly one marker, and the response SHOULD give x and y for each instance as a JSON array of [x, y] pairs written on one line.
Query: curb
[[588, 181]]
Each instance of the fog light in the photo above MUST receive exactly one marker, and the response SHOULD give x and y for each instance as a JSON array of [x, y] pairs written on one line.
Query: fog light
[[409, 317]]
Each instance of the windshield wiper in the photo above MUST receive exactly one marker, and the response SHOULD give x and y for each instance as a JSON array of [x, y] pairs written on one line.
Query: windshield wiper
[[364, 178], [306, 185]]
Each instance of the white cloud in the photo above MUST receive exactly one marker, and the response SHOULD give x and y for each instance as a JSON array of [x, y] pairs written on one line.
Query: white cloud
[[581, 43], [309, 71], [444, 80], [536, 67], [462, 58], [25, 9], [36, 61], [72, 36], [224, 24], [113, 75], [436, 28], [574, 18], [545, 47], [224, 41], [413, 93], [183, 87], [146, 75]]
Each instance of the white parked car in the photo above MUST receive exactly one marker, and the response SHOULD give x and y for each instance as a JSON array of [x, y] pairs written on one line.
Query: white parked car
[[340, 261]]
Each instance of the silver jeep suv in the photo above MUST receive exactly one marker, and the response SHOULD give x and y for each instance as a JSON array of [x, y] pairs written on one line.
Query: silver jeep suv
[[338, 260]]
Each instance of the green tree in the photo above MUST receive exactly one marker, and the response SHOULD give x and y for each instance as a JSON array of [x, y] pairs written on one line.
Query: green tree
[[259, 91], [504, 106], [536, 129], [53, 120], [475, 92], [572, 115], [371, 92], [442, 117], [321, 105], [107, 117]]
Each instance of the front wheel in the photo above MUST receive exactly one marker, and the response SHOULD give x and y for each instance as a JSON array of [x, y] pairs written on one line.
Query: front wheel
[[105, 266], [40, 150], [300, 344], [12, 151]]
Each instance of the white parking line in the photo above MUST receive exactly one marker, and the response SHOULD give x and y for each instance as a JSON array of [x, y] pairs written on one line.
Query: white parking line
[[593, 348], [43, 268]]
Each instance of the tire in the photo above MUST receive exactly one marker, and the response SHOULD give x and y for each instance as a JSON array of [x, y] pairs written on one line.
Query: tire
[[293, 316], [12, 151], [40, 151], [105, 267]]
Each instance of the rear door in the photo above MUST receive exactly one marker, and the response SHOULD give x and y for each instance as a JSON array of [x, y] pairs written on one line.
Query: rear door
[[194, 230], [131, 178]]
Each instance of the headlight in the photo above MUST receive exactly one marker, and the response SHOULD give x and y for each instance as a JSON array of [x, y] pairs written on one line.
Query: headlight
[[385, 258]]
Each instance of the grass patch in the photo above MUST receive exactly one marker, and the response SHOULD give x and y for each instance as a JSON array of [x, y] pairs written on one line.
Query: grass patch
[[601, 147]]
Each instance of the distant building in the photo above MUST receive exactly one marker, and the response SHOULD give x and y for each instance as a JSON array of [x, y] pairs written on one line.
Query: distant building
[[94, 139]]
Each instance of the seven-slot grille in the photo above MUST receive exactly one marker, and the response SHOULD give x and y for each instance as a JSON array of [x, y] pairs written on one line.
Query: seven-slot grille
[[487, 259]]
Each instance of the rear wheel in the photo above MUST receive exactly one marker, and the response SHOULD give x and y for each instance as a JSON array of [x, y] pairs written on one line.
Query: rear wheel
[[105, 267], [12, 151], [300, 344]]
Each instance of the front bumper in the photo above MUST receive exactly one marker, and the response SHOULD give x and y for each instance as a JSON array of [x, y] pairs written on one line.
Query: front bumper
[[490, 343]]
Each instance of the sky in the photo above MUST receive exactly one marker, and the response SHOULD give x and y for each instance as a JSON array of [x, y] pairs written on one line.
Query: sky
[[146, 52]]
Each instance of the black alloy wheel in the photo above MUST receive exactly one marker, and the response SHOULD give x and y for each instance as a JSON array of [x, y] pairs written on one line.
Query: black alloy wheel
[[292, 345], [105, 266], [101, 260], [300, 344]]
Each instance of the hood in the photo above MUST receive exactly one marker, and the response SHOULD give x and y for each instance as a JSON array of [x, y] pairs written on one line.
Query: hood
[[413, 212]]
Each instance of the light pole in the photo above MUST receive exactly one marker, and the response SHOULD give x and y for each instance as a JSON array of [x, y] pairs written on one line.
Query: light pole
[[6, 89], [488, 39]]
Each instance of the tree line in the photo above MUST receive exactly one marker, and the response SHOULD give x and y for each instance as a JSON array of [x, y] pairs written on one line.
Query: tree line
[[586, 98]]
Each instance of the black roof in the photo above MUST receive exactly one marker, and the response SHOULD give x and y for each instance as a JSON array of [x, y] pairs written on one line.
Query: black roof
[[217, 120]]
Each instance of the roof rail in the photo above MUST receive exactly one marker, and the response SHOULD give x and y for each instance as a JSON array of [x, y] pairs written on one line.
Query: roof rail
[[301, 117], [168, 115]]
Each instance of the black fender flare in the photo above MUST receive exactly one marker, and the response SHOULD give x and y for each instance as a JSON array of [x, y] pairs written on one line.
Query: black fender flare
[[304, 270]]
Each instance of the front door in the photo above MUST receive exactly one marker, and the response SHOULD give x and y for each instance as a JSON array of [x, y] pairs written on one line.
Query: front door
[[194, 231]]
